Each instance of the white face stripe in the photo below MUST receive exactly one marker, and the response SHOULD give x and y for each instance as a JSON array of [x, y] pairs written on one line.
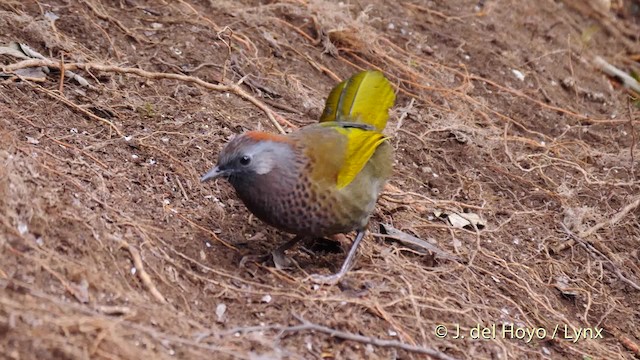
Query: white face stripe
[[264, 155]]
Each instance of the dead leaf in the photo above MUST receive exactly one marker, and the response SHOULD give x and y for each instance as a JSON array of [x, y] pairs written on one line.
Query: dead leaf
[[416, 243], [562, 284], [462, 220]]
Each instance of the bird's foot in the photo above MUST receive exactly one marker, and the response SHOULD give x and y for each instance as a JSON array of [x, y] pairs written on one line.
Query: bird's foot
[[280, 260], [346, 265], [254, 258], [326, 279]]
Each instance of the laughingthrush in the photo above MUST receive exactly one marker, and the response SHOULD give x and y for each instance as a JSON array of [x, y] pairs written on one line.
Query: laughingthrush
[[322, 179]]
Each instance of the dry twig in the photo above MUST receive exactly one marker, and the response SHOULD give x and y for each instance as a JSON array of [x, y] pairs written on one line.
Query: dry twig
[[598, 254], [309, 326], [142, 273], [592, 230], [230, 87], [611, 70]]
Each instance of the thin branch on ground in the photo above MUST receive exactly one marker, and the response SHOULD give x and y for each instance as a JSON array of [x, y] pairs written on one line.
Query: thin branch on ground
[[142, 273], [592, 230], [235, 88], [608, 262], [611, 70], [309, 326]]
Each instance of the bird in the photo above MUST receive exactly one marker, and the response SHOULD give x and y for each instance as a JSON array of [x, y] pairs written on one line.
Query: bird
[[322, 179]]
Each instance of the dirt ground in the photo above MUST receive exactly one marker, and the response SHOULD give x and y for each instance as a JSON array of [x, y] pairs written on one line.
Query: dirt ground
[[111, 248]]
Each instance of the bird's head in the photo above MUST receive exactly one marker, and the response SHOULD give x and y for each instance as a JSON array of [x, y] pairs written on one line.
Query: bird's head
[[251, 154]]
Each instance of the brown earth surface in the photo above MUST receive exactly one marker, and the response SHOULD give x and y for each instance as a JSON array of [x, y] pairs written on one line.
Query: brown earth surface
[[111, 248]]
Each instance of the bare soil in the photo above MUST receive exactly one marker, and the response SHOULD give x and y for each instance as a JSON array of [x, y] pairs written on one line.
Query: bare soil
[[111, 248]]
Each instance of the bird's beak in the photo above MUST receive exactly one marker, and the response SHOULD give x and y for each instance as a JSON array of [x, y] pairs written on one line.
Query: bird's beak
[[214, 173]]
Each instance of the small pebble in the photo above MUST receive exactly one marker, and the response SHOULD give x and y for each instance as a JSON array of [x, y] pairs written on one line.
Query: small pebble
[[221, 309], [519, 75]]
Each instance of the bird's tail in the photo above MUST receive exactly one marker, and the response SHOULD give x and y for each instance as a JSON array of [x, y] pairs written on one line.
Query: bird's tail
[[366, 97]]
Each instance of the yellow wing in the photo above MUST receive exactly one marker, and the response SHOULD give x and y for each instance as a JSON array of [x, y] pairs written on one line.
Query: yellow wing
[[360, 147], [341, 149], [364, 98]]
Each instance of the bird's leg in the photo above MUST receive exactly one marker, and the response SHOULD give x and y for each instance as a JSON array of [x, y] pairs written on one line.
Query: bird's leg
[[346, 265]]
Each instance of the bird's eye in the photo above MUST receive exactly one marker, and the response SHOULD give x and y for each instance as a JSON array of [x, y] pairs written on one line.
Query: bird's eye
[[245, 160]]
